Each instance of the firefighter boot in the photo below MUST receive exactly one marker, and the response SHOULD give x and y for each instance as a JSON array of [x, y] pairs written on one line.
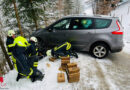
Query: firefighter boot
[[39, 76], [19, 77]]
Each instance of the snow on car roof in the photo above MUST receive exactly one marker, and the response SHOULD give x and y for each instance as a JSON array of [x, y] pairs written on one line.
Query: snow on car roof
[[92, 16]]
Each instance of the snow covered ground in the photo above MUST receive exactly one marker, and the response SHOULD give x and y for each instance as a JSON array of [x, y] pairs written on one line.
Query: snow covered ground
[[111, 73], [95, 75]]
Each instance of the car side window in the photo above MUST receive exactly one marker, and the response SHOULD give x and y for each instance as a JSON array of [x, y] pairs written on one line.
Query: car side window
[[75, 24], [82, 23], [62, 25], [102, 23], [86, 23]]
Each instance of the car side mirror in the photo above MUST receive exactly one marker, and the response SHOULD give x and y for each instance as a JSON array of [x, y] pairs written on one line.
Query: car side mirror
[[50, 29]]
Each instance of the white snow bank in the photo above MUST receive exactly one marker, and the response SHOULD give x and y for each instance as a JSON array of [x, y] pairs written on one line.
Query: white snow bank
[[127, 47]]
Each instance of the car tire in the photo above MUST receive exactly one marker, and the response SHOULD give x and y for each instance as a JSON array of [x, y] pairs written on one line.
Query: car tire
[[99, 51]]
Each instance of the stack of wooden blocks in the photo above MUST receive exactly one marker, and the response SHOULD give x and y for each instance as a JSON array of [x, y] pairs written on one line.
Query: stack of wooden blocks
[[73, 72], [64, 62]]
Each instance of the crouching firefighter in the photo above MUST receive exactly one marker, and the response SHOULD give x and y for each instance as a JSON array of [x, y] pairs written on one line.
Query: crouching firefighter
[[32, 52], [64, 49], [22, 63]]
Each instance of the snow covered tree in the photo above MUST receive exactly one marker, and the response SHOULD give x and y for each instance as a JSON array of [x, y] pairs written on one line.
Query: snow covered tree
[[68, 6], [9, 8], [35, 13], [31, 11], [28, 12]]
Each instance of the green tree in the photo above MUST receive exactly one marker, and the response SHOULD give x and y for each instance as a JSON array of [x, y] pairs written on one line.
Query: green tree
[[31, 11], [28, 12]]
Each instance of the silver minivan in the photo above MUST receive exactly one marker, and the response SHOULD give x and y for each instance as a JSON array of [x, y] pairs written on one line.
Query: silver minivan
[[98, 35]]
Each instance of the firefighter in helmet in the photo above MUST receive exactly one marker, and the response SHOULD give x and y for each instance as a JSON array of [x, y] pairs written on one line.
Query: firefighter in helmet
[[22, 63], [64, 49], [33, 53]]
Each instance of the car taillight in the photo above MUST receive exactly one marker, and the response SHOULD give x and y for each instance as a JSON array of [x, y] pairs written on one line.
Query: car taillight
[[118, 32]]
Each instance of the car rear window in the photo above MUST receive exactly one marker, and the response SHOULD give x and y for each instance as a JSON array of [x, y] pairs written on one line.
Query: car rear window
[[102, 23]]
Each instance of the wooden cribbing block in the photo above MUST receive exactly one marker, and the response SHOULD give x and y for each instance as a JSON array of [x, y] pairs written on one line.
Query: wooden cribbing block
[[65, 58], [65, 61], [73, 70], [60, 68], [75, 77], [71, 80], [52, 59], [61, 77], [64, 66], [69, 65]]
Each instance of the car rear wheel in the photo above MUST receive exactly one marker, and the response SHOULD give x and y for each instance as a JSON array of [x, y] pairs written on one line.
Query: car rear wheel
[[99, 51]]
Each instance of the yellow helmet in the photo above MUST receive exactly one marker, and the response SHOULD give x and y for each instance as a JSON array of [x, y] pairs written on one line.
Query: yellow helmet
[[48, 53], [33, 39], [42, 26], [11, 33], [84, 21]]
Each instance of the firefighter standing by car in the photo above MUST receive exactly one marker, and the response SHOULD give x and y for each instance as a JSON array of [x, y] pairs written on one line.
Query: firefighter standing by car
[[22, 63], [64, 49], [32, 52]]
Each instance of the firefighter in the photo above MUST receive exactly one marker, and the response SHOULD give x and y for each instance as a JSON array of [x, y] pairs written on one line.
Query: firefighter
[[33, 48], [64, 49], [10, 40], [22, 63], [32, 52]]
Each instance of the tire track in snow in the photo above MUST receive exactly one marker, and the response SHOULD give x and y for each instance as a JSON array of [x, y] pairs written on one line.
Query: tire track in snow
[[103, 85], [92, 76], [119, 71], [116, 70]]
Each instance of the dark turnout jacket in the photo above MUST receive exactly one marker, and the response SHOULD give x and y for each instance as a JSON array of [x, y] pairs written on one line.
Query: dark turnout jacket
[[9, 41], [63, 49], [32, 49]]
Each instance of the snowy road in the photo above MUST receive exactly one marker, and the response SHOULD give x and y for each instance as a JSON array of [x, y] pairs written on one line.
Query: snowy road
[[112, 73]]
